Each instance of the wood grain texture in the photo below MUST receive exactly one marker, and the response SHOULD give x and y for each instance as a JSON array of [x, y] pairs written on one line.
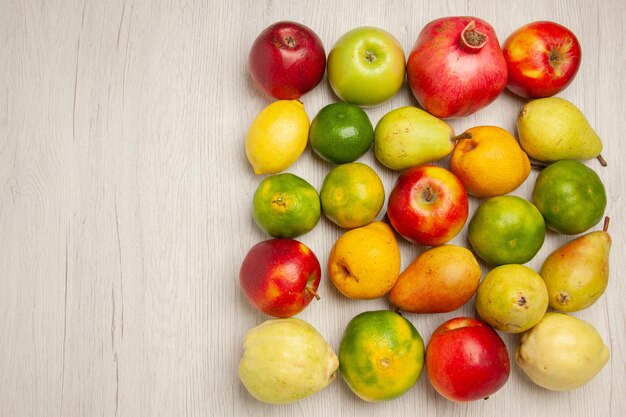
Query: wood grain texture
[[125, 204]]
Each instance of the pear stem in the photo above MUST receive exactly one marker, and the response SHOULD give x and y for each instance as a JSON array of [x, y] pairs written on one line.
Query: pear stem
[[539, 165], [464, 135], [317, 297], [605, 227]]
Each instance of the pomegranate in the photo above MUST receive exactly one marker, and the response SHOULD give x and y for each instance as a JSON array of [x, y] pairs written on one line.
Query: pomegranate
[[456, 66]]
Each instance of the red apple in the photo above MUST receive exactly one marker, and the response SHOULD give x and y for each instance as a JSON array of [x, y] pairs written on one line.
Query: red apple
[[542, 59], [287, 60], [456, 66], [280, 276], [466, 360], [427, 205]]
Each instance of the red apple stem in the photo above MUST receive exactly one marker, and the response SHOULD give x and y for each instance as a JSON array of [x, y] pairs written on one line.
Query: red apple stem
[[602, 160], [317, 297], [471, 39], [290, 41], [464, 135], [605, 227]]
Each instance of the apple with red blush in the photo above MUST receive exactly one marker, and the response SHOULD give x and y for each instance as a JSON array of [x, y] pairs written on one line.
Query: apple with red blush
[[287, 60], [542, 59], [428, 205], [466, 360], [280, 276]]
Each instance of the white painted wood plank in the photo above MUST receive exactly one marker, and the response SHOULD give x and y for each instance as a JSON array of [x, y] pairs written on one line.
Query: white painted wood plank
[[125, 204]]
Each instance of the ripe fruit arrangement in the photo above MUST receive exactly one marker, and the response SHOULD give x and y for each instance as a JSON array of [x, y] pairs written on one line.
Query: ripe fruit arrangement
[[381, 354]]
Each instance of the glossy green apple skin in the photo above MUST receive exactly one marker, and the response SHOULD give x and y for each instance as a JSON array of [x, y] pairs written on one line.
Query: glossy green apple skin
[[366, 66]]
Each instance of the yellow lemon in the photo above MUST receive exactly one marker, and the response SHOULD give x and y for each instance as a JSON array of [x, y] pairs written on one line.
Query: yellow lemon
[[364, 263], [277, 136]]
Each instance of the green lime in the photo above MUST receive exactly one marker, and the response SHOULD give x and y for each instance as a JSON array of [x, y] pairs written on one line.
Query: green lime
[[352, 195], [285, 205], [341, 133], [570, 196], [506, 230], [381, 355]]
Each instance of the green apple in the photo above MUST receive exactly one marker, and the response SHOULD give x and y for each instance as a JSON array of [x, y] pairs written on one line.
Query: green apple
[[366, 66]]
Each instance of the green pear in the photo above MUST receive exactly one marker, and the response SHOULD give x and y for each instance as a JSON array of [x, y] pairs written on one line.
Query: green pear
[[512, 298], [577, 273], [409, 136], [551, 129]]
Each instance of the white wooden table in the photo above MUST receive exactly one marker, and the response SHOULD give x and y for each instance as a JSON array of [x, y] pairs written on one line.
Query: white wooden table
[[125, 204]]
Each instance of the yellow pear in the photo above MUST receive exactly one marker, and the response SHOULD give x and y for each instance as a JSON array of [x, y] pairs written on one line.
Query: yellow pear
[[409, 136], [577, 273], [439, 280], [552, 128]]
